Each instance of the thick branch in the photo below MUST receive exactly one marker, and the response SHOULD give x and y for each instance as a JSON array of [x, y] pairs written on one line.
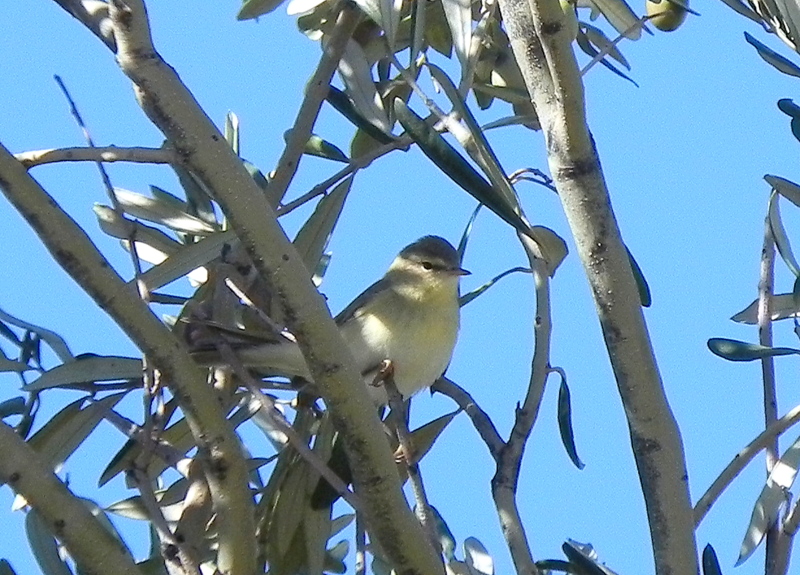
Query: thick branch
[[95, 550], [543, 51], [216, 441], [171, 106]]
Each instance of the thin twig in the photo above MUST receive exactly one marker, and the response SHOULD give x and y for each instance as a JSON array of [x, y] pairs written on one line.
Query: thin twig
[[740, 461], [480, 419], [316, 91], [137, 264], [277, 418], [422, 507], [775, 547], [107, 154], [355, 165]]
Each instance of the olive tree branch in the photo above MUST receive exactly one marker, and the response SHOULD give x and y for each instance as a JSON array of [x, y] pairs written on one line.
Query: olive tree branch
[[98, 154], [88, 541], [74, 251], [202, 149], [543, 51]]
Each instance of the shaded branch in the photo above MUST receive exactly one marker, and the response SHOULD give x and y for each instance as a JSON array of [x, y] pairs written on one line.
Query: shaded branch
[[88, 541], [543, 50], [480, 419]]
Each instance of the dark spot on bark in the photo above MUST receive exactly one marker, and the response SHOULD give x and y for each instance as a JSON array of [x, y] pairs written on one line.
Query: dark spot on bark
[[14, 477], [215, 137], [642, 445], [170, 552], [550, 28], [58, 527], [179, 538], [219, 467], [285, 257]]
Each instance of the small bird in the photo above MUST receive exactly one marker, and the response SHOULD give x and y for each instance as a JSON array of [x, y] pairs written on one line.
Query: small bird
[[410, 317]]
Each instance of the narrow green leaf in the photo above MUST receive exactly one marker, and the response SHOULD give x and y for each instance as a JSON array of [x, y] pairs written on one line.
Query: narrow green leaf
[[784, 187], [765, 512], [356, 74], [344, 105], [735, 350], [426, 435], [782, 306], [185, 260], [43, 545], [477, 146], [454, 165], [64, 433], [320, 148], [469, 296], [779, 235], [462, 243], [641, 282], [710, 561], [789, 108], [312, 238], [584, 557], [86, 369], [254, 8], [232, 131], [446, 538], [565, 423], [772, 58], [459, 20], [599, 40], [160, 212], [51, 338], [588, 48], [620, 16], [743, 9]]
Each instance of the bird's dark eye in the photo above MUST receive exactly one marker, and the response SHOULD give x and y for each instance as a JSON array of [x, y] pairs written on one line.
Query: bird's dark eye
[[427, 265]]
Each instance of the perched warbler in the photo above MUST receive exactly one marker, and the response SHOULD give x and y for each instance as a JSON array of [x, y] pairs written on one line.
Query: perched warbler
[[409, 317]]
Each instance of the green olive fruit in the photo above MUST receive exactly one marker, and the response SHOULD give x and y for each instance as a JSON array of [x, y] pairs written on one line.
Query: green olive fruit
[[666, 15]]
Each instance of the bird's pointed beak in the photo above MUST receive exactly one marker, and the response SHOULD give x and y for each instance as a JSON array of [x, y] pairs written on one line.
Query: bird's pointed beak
[[460, 272]]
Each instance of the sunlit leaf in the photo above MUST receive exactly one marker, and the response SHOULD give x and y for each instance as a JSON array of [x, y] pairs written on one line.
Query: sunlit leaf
[[355, 72], [462, 243], [588, 48], [254, 8], [185, 260], [779, 235], [316, 146], [232, 131], [565, 424], [784, 187], [313, 237], [86, 369], [477, 557], [459, 20], [160, 212], [585, 558], [781, 306], [619, 15], [765, 512], [600, 41], [735, 350]]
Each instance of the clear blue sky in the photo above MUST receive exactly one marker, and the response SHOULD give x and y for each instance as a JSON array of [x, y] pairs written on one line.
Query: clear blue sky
[[684, 155]]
